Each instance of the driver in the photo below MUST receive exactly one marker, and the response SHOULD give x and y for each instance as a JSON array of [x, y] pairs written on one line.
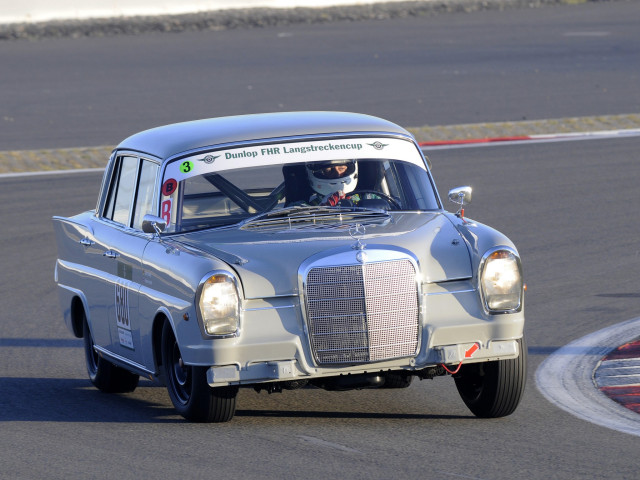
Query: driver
[[332, 181]]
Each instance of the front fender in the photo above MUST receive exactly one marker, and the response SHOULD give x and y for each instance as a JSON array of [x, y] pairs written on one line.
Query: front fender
[[479, 239]]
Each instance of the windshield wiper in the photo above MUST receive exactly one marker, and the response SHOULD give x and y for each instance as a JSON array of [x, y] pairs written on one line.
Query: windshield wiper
[[294, 210], [298, 213]]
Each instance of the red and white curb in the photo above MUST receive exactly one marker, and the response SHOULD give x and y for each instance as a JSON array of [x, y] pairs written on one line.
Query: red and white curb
[[618, 375], [567, 378], [518, 139]]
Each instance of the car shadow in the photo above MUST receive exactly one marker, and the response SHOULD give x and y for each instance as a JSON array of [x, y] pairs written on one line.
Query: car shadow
[[76, 400], [347, 415]]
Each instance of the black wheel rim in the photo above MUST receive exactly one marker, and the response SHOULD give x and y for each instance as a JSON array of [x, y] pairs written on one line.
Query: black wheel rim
[[471, 383], [472, 389], [180, 375]]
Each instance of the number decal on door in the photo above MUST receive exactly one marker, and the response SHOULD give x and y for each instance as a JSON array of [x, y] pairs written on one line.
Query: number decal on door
[[122, 316]]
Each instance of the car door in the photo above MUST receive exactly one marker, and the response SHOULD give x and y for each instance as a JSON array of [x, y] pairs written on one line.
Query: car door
[[131, 196], [83, 269]]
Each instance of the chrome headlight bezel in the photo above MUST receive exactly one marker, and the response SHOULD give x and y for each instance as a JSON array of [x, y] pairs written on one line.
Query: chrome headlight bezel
[[215, 283], [516, 286]]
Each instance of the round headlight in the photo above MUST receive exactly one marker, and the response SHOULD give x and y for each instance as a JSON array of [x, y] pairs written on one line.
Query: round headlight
[[219, 305], [501, 281]]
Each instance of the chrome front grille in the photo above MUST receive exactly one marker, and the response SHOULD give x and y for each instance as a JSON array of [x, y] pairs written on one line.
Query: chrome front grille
[[362, 313]]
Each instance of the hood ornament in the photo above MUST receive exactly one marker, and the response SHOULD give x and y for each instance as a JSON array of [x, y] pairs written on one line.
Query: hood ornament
[[357, 232]]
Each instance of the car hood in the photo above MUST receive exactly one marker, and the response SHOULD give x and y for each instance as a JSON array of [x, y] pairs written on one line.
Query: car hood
[[267, 260]]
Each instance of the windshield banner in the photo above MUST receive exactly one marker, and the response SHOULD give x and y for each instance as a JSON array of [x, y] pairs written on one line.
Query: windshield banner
[[294, 152]]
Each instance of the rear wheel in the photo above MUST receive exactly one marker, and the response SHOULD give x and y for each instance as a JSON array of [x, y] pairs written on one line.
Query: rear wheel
[[103, 374], [494, 389], [188, 389]]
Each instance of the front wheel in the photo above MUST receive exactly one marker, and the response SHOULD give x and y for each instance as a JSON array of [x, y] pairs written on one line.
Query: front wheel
[[188, 389], [103, 374], [494, 389]]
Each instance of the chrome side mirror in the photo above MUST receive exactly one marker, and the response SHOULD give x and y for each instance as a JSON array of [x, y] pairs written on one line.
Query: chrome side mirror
[[153, 224], [460, 195]]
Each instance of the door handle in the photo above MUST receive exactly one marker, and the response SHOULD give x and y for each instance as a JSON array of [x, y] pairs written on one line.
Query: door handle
[[111, 254], [85, 242]]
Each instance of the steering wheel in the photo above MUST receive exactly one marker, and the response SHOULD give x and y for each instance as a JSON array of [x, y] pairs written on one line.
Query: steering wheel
[[394, 203]]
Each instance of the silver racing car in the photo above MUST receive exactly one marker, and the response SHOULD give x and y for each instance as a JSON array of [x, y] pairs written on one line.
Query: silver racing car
[[283, 251]]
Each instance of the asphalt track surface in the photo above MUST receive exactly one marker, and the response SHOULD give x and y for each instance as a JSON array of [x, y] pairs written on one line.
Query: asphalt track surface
[[570, 208], [492, 66], [581, 261]]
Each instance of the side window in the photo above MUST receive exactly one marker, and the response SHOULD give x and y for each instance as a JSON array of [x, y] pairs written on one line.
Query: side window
[[122, 188], [144, 196], [128, 195]]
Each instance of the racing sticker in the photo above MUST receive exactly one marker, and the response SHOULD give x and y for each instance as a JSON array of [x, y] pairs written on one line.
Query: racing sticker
[[122, 316], [165, 211], [169, 186], [186, 167]]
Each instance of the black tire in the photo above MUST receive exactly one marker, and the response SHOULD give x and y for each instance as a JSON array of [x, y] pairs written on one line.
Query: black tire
[[188, 389], [493, 389], [104, 375]]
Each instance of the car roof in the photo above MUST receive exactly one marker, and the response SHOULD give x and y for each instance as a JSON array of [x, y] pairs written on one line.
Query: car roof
[[171, 140]]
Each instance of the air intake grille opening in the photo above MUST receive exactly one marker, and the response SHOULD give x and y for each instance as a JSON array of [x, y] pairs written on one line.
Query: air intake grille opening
[[363, 313]]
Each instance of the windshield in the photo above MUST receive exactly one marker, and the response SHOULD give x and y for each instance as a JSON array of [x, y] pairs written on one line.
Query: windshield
[[196, 196]]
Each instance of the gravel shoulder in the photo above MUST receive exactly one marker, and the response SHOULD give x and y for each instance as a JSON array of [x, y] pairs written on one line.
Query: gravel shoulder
[[259, 18]]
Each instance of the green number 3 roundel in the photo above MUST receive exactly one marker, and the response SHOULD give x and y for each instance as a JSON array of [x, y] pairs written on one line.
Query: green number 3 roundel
[[186, 167]]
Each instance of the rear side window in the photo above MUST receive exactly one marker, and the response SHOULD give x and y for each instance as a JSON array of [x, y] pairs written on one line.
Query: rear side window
[[131, 192]]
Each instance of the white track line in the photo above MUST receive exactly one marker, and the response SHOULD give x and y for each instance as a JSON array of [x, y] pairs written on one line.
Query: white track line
[[566, 378], [558, 137], [51, 172]]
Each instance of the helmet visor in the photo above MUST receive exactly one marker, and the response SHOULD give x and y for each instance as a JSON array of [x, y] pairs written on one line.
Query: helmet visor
[[332, 170]]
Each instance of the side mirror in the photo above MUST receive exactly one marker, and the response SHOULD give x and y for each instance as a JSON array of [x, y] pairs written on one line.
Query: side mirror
[[460, 195], [153, 224]]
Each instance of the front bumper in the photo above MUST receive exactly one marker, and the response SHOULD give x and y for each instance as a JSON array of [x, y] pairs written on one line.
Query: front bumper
[[272, 344], [287, 370]]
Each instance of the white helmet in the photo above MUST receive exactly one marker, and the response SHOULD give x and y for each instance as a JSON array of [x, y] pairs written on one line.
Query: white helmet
[[329, 177]]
